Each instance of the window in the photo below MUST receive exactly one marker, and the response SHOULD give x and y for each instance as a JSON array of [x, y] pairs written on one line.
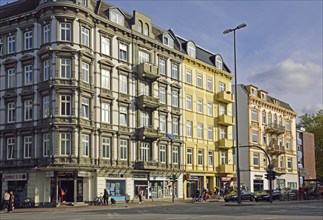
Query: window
[[46, 106], [1, 46], [105, 74], [223, 133], [123, 52], [263, 96], [218, 62], [46, 145], [175, 71], [28, 40], [162, 95], [28, 74], [288, 125], [46, 33], [144, 119], [11, 112], [210, 159], [86, 72], [221, 86], [199, 80], [288, 146], [84, 3], [106, 112], [289, 163], [191, 49], [65, 105], [66, 68], [165, 40], [65, 144], [281, 162], [85, 108], [28, 110], [162, 153], [223, 157], [66, 31], [210, 108], [27, 146], [189, 129], [175, 154], [116, 17], [256, 162], [254, 114], [123, 83], [264, 138], [264, 118], [200, 157], [280, 121], [209, 84], [86, 145], [144, 151], [106, 148], [253, 91], [175, 100], [189, 156], [11, 148], [105, 45], [189, 76], [144, 88], [143, 57], [162, 123], [11, 44], [222, 109], [162, 66], [199, 105], [210, 132], [254, 136], [189, 102], [85, 36], [11, 78], [123, 149], [46, 70], [123, 116], [199, 130], [175, 126]]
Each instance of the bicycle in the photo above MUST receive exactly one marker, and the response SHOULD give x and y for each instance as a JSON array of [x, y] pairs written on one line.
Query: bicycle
[[98, 200]]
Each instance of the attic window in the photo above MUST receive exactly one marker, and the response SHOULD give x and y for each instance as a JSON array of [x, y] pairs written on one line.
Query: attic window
[[253, 91], [263, 96], [191, 51], [166, 41], [218, 62], [116, 17]]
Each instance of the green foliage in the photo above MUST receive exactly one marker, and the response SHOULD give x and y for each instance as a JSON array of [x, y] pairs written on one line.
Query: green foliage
[[313, 123]]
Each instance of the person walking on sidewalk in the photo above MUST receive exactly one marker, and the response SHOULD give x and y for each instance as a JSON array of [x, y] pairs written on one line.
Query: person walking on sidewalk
[[141, 195], [11, 202], [105, 197], [6, 198]]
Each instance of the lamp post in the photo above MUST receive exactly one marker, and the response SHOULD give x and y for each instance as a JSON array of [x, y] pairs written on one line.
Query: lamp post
[[236, 102]]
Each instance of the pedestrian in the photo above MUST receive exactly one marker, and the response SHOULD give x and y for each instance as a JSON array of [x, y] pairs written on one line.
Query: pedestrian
[[62, 194], [6, 198], [105, 197], [140, 195], [11, 202]]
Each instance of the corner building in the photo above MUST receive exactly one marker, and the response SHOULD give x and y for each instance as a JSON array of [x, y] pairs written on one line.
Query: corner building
[[90, 99]]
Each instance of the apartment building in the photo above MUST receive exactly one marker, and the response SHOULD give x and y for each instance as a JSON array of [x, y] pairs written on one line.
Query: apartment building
[[90, 99], [268, 123]]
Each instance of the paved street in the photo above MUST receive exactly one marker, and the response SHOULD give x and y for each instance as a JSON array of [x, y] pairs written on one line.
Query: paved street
[[293, 210]]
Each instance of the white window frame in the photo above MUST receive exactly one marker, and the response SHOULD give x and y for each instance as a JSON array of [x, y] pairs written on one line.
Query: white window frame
[[162, 153], [254, 138], [85, 36], [144, 119], [11, 77], [189, 76], [46, 70], [143, 56], [200, 157], [85, 107], [106, 78], [189, 154], [46, 106], [189, 128], [210, 158], [199, 80], [1, 46], [199, 106], [145, 151], [65, 144], [85, 72], [209, 84], [123, 149], [254, 114], [222, 86], [189, 105], [85, 145], [46, 33], [175, 70], [222, 109], [106, 112], [256, 159], [223, 157], [162, 123], [66, 68], [28, 36], [11, 142], [162, 66], [191, 50], [105, 45], [123, 84], [11, 44], [11, 112], [210, 132], [199, 130], [175, 99], [106, 148], [223, 133], [46, 141], [27, 146], [175, 154], [123, 111], [162, 95], [66, 105], [28, 110], [210, 109], [289, 163], [66, 31], [123, 52], [28, 74], [175, 126]]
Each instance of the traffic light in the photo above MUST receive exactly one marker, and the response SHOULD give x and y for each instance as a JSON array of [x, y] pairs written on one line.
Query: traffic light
[[273, 175]]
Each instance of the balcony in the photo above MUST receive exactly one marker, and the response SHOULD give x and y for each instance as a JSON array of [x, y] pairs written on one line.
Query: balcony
[[148, 132], [145, 101], [275, 149], [225, 97], [275, 129], [225, 168], [225, 143], [148, 71], [225, 120], [145, 165]]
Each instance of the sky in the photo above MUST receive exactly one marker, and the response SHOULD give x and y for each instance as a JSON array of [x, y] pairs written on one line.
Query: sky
[[280, 50]]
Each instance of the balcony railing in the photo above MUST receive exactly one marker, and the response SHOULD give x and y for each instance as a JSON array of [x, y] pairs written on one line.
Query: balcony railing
[[149, 71], [225, 168], [143, 165], [275, 149], [225, 97], [145, 101], [225, 143], [225, 120], [275, 128], [148, 132]]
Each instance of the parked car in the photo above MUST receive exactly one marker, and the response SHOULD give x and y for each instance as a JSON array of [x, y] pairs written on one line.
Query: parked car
[[264, 195], [245, 195]]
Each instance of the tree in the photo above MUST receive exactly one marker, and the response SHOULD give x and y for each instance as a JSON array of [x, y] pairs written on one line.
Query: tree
[[313, 123]]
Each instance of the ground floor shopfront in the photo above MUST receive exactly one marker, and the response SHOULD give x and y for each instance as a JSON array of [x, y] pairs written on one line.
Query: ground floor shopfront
[[44, 186]]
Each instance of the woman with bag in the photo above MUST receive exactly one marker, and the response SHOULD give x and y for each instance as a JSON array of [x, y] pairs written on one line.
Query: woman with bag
[[11, 202]]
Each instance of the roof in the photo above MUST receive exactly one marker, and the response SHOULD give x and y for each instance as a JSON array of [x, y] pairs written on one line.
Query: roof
[[17, 7]]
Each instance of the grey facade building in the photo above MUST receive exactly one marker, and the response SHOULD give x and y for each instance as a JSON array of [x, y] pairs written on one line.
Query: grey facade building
[[90, 98]]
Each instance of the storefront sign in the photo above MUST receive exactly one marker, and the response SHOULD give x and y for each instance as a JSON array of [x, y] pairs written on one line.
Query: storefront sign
[[14, 177], [225, 179], [83, 174]]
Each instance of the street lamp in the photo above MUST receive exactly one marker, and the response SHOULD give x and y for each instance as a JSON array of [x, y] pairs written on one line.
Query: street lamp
[[236, 102]]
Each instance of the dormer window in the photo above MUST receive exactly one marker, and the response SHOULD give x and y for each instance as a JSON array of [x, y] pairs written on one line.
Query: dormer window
[[263, 96], [191, 51], [116, 16], [146, 30], [166, 41], [253, 91], [218, 62]]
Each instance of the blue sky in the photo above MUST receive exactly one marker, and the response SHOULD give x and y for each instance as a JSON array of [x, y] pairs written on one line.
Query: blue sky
[[280, 50]]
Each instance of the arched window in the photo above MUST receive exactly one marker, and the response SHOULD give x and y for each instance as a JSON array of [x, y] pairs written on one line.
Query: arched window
[[140, 27], [191, 51], [218, 62], [146, 30]]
